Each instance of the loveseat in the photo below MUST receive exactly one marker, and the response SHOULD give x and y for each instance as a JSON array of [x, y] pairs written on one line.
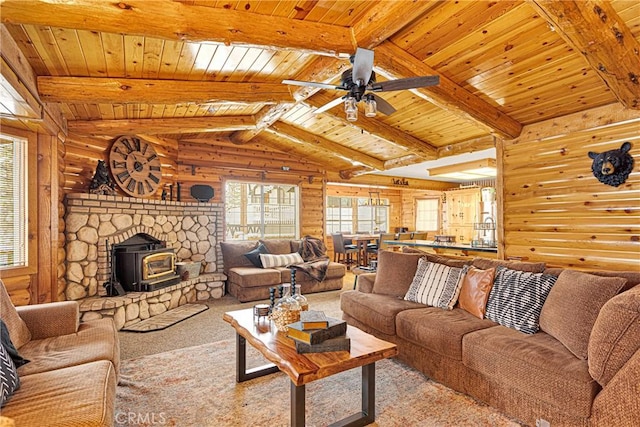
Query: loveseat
[[580, 368], [71, 376], [250, 282]]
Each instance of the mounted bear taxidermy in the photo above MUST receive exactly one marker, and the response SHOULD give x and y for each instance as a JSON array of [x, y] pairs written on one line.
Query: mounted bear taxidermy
[[614, 166]]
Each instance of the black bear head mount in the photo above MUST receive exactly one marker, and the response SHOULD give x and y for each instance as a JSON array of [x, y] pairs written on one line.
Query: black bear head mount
[[614, 166]]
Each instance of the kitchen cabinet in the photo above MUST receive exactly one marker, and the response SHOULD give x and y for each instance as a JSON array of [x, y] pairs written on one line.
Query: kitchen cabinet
[[462, 213]]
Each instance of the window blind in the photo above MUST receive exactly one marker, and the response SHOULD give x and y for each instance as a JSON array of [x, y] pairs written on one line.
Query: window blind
[[13, 202]]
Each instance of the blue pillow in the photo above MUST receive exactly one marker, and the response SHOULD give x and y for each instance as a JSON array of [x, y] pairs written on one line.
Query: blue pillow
[[254, 255]]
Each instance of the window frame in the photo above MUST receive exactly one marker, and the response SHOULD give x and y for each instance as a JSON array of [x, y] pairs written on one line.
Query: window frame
[[438, 200], [298, 205], [354, 206], [32, 204]]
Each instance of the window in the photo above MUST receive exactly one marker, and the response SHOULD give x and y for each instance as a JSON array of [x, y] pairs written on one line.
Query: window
[[261, 211], [13, 202], [356, 214], [427, 214]]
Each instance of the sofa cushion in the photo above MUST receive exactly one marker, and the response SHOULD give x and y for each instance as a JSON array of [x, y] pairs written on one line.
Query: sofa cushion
[[82, 395], [233, 254], [441, 259], [615, 336], [573, 305], [18, 330], [538, 365], [9, 380], [280, 246], [95, 340], [395, 273], [375, 310], [475, 289], [517, 297], [280, 260], [254, 255], [334, 270], [436, 285], [437, 330], [531, 267], [249, 277]]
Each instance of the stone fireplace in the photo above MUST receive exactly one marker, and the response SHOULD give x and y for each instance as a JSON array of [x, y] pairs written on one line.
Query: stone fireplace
[[94, 223]]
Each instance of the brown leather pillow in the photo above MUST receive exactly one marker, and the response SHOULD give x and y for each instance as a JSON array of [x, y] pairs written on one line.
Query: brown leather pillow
[[572, 306], [395, 273], [475, 290]]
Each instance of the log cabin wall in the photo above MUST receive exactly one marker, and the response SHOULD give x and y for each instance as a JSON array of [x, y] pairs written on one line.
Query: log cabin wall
[[556, 211]]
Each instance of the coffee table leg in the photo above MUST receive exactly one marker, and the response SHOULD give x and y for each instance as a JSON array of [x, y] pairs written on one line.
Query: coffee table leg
[[242, 374], [368, 414], [297, 405]]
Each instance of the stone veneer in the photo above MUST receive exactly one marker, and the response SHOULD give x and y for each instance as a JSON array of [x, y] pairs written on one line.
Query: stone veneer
[[192, 229]]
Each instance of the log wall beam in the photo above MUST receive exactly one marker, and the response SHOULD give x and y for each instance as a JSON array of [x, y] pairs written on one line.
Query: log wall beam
[[95, 90], [594, 29]]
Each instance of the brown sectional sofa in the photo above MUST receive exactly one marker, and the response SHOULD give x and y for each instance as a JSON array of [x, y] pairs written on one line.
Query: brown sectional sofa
[[247, 282], [527, 376], [73, 370]]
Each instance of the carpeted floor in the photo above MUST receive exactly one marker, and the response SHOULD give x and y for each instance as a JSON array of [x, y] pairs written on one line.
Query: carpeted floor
[[184, 376]]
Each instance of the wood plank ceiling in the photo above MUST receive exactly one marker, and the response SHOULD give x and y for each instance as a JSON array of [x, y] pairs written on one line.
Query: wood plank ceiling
[[210, 71]]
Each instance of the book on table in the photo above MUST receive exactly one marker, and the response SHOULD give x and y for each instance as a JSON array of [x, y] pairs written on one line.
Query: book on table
[[335, 328], [340, 343], [313, 319]]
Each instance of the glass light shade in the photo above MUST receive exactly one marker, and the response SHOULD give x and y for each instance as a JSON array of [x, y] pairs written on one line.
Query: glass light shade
[[370, 107], [351, 109]]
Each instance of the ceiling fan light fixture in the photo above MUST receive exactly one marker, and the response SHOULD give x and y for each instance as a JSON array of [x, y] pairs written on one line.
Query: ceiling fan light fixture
[[351, 108], [370, 106]]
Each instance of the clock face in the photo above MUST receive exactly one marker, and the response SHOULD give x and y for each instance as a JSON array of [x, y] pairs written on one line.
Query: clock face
[[135, 166]]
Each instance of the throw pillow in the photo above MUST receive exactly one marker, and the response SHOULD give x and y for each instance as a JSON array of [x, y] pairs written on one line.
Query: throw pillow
[[395, 273], [282, 260], [573, 306], [434, 284], [517, 297], [475, 289], [254, 255], [9, 381], [5, 339]]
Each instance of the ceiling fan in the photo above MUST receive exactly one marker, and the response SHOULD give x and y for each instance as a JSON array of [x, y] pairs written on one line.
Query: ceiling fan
[[359, 81]]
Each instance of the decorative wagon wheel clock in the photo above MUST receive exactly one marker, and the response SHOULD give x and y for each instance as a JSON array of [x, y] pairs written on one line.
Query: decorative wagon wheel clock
[[135, 166]]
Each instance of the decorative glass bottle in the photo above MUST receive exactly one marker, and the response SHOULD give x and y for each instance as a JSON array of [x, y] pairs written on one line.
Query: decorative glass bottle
[[286, 310], [302, 300]]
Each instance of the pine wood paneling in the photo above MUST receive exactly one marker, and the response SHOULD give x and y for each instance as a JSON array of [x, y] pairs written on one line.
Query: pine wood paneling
[[556, 211]]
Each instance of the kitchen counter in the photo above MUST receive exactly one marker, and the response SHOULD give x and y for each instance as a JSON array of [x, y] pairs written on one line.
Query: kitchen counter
[[459, 249]]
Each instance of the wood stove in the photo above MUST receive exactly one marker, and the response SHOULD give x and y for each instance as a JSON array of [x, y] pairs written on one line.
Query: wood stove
[[143, 263]]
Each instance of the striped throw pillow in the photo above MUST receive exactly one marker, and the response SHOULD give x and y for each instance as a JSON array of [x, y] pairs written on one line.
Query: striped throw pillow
[[435, 284], [517, 297], [282, 260]]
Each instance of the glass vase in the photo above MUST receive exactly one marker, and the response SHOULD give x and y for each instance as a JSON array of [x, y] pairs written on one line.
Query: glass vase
[[302, 300], [286, 310]]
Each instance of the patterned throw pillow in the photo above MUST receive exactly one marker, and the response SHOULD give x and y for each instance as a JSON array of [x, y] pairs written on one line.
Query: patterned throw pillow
[[434, 284], [273, 260], [517, 297], [9, 381]]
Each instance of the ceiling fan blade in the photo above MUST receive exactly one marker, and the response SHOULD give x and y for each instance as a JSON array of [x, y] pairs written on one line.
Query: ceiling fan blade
[[362, 66], [312, 84], [329, 105], [383, 106], [408, 83]]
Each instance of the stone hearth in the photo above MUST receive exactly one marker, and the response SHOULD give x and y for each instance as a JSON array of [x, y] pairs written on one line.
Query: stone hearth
[[95, 222]]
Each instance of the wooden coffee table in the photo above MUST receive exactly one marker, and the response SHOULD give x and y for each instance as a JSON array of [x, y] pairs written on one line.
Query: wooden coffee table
[[304, 368]]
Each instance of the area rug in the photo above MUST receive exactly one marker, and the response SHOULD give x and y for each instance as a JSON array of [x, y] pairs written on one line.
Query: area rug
[[166, 319], [196, 386]]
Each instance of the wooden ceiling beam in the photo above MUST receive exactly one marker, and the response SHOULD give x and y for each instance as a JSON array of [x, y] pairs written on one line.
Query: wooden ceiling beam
[[96, 90], [160, 126], [301, 136], [171, 20], [390, 181], [469, 146], [594, 29], [393, 62], [379, 129]]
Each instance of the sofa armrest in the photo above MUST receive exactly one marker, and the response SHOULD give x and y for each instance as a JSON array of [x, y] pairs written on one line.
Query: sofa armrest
[[51, 319], [365, 282]]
